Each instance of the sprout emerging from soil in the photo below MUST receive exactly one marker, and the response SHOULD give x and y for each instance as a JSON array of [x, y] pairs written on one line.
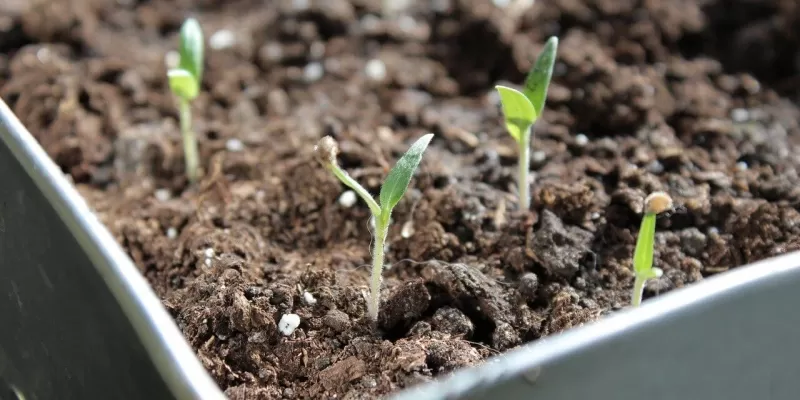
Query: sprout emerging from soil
[[521, 109], [654, 204], [184, 81], [392, 190]]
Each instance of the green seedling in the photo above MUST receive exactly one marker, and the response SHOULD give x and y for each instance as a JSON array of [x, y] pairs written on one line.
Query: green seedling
[[184, 81], [643, 269], [392, 190], [521, 109]]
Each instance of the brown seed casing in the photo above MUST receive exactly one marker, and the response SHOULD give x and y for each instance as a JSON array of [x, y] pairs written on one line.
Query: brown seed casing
[[657, 202], [326, 151]]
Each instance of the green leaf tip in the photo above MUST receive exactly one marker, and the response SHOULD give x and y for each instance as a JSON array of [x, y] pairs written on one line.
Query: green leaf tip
[[518, 112], [192, 48], [538, 79], [183, 83], [396, 183]]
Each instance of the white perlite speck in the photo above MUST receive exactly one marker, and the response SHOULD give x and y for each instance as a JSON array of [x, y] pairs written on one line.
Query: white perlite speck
[[313, 72], [163, 194], [581, 139], [234, 145], [348, 199], [172, 233], [375, 69], [288, 323], [222, 39], [309, 298], [172, 59]]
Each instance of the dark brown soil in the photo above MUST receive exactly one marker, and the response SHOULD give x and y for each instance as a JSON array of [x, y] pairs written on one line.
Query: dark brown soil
[[697, 98]]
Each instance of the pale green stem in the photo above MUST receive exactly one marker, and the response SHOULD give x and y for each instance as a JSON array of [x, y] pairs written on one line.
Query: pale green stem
[[360, 191], [190, 151], [381, 230], [638, 290], [524, 167]]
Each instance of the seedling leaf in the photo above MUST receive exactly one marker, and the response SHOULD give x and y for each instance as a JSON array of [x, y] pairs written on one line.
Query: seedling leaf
[[396, 183], [182, 83], [538, 79], [643, 254], [191, 49], [518, 111]]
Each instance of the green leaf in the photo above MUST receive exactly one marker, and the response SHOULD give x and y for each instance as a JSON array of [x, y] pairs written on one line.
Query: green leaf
[[396, 183], [643, 254], [518, 111], [538, 79], [191, 49], [182, 83]]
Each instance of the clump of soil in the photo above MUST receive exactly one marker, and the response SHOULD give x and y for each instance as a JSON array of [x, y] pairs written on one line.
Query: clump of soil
[[647, 95]]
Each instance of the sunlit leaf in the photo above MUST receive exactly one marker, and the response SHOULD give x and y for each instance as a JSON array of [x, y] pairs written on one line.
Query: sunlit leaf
[[396, 183], [538, 79], [191, 49], [518, 111], [182, 83]]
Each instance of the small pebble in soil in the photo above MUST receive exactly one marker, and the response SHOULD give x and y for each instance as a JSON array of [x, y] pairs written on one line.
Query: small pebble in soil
[[419, 329], [528, 285], [163, 194], [538, 156], [741, 166], [172, 233], [234, 145], [288, 323], [288, 393], [452, 321], [740, 115], [309, 298], [655, 167], [317, 50], [172, 59], [408, 230], [581, 140], [404, 305], [693, 241], [313, 72], [209, 253], [375, 69], [222, 39], [301, 5], [337, 320], [348, 199]]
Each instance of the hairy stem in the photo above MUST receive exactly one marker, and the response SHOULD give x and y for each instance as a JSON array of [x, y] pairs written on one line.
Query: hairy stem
[[345, 178], [638, 290], [381, 229], [189, 142], [524, 167]]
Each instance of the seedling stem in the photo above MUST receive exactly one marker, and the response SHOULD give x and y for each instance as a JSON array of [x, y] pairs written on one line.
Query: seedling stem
[[654, 204], [392, 190], [522, 108], [184, 81], [190, 151]]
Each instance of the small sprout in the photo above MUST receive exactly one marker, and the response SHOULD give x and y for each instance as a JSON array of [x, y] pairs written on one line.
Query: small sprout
[[521, 109], [288, 323], [392, 190], [184, 81], [656, 203]]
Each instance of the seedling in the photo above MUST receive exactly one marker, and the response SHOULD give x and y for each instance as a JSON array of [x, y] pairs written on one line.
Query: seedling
[[654, 204], [184, 81], [392, 190], [521, 109]]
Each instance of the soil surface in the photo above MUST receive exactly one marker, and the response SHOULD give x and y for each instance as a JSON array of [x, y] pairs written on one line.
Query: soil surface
[[695, 98]]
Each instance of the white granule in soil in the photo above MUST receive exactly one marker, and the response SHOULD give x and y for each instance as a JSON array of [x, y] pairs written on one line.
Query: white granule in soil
[[309, 298], [288, 323]]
